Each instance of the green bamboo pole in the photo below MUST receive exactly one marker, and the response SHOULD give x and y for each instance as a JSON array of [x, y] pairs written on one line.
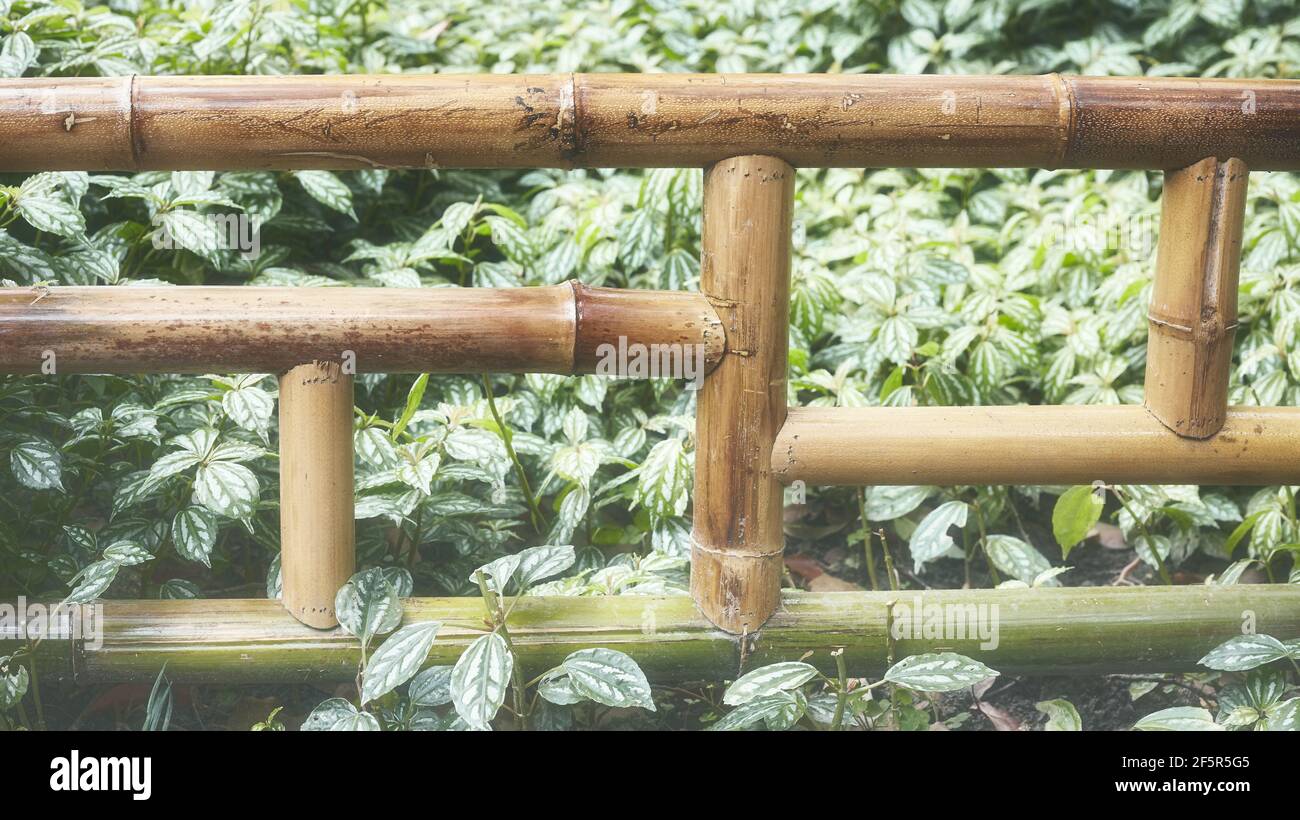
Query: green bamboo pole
[[1040, 631]]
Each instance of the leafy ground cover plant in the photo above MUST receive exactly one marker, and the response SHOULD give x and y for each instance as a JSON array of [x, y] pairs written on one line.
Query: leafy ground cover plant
[[486, 675], [910, 286], [1263, 699], [773, 696]]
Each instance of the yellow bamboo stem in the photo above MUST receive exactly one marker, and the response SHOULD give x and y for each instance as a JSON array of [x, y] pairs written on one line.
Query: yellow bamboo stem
[[1031, 445], [745, 273], [1193, 317], [317, 547]]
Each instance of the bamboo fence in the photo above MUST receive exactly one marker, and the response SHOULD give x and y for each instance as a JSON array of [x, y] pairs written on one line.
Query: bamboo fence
[[749, 132]]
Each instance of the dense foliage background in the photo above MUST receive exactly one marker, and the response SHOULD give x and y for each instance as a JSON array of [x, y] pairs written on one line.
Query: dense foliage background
[[910, 287]]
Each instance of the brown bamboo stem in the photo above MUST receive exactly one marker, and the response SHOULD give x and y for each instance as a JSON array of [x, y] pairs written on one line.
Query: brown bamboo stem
[[557, 329], [1031, 445], [317, 531], [652, 120], [1060, 631], [1193, 316], [610, 318], [745, 271]]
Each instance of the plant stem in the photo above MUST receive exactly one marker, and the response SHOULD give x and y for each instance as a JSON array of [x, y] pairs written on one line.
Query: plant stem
[[866, 539], [534, 511], [489, 597], [966, 558], [522, 708], [842, 695], [248, 41], [414, 538], [889, 561], [668, 220], [979, 521], [889, 660], [1141, 524], [36, 685], [498, 619]]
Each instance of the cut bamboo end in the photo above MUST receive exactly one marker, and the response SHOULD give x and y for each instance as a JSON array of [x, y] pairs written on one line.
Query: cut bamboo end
[[317, 536], [1064, 444], [1193, 317], [736, 591], [745, 273], [678, 331]]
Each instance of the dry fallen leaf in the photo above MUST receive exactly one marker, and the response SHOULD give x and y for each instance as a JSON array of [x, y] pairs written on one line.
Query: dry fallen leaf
[[829, 583], [1109, 536], [1000, 718], [815, 576]]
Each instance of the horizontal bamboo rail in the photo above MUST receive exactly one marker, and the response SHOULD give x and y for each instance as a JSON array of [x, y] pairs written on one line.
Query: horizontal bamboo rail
[[555, 329], [643, 120], [1064, 444], [1038, 631]]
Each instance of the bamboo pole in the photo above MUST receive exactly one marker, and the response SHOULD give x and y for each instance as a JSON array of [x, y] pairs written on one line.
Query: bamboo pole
[[745, 271], [612, 318], [556, 329], [317, 529], [1031, 445], [1193, 316], [1056, 631], [651, 120]]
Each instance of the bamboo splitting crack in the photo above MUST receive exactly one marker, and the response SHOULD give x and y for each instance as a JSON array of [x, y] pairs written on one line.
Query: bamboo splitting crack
[[649, 120], [760, 555]]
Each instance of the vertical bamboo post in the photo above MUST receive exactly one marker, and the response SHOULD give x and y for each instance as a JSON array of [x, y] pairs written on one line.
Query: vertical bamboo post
[[1193, 318], [745, 272], [317, 546]]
